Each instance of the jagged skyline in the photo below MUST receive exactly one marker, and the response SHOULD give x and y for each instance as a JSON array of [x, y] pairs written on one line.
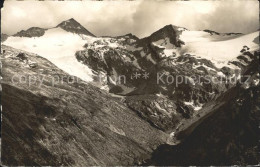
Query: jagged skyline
[[137, 17]]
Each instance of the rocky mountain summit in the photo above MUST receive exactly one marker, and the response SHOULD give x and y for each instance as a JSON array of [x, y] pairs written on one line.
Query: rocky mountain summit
[[31, 32], [134, 96], [170, 31], [73, 26]]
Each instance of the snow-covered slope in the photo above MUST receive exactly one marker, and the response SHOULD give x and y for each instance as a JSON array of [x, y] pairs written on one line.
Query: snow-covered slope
[[218, 48], [59, 47]]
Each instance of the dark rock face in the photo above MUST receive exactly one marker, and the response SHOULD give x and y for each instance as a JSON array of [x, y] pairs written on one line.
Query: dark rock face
[[160, 112], [169, 31], [66, 123], [22, 57], [73, 26], [234, 33], [228, 137], [31, 32], [217, 33], [212, 32], [245, 58]]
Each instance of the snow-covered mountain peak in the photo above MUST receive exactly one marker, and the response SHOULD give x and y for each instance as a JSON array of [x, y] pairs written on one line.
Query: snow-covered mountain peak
[[58, 46], [73, 26]]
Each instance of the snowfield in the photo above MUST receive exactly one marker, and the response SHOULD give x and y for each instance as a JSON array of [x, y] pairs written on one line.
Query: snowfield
[[218, 48], [59, 47]]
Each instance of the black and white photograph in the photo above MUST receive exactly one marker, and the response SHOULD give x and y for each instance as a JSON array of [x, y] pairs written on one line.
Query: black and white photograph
[[130, 83]]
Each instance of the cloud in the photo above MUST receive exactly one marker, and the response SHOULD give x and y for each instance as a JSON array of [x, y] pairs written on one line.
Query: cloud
[[239, 16], [141, 18], [101, 18], [220, 16], [150, 16]]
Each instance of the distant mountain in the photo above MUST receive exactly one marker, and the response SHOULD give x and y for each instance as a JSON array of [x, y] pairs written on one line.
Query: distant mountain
[[73, 26], [3, 37], [217, 33], [70, 25], [31, 32]]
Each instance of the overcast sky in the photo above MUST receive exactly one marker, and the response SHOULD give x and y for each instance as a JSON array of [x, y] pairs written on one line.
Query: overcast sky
[[138, 17]]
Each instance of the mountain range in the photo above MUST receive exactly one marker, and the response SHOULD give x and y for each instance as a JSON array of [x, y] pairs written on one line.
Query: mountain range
[[138, 100]]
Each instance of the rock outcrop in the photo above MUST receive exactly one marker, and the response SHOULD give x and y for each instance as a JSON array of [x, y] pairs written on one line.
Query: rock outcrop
[[31, 32]]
